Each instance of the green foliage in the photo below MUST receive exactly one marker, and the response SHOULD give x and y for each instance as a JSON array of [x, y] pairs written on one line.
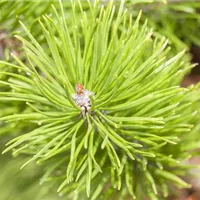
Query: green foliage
[[11, 12], [21, 185], [134, 138], [173, 19], [28, 12]]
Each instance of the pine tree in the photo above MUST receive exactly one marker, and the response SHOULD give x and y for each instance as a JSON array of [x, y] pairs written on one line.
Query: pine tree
[[94, 98]]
